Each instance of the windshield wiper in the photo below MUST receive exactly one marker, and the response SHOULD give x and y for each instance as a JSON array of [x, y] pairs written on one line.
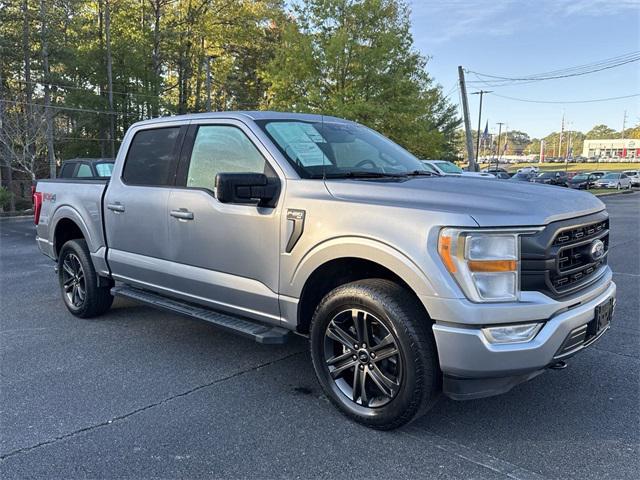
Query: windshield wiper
[[363, 175], [420, 173]]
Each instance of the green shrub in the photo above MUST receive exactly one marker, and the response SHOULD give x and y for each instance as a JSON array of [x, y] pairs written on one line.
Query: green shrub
[[5, 198]]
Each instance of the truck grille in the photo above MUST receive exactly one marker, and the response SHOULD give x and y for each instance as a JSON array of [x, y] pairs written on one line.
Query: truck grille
[[557, 261]]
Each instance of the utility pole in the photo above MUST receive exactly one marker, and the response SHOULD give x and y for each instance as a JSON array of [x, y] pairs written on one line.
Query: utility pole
[[498, 152], [467, 122], [624, 124], [481, 93]]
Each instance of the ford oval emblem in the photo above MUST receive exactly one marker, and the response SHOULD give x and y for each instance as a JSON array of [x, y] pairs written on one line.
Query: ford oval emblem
[[597, 249]]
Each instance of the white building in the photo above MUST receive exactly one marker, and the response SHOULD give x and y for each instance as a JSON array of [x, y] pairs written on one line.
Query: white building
[[618, 148]]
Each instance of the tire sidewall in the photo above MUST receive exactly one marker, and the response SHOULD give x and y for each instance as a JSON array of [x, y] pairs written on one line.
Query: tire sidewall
[[412, 363]]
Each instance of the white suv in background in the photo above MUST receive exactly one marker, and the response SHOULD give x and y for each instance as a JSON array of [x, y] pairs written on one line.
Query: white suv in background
[[634, 176]]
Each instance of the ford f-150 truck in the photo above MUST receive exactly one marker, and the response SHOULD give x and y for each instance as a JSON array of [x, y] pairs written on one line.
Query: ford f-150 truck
[[408, 284]]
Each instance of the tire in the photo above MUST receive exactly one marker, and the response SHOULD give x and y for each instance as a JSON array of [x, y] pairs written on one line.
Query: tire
[[79, 283], [398, 387]]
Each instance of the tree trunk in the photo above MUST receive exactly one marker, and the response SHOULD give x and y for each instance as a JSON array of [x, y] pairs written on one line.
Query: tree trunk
[[203, 58], [107, 29], [47, 88], [155, 56], [101, 120]]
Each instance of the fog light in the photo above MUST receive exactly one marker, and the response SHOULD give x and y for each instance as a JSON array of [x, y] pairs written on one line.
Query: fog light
[[512, 333]]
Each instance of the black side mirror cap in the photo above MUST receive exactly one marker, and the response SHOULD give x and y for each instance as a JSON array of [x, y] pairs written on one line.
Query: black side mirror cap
[[247, 188]]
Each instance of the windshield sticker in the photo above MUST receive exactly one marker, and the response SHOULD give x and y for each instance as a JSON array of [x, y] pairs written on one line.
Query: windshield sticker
[[299, 141]]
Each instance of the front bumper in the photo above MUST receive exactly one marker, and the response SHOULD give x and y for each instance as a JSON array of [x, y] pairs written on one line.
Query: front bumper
[[475, 368]]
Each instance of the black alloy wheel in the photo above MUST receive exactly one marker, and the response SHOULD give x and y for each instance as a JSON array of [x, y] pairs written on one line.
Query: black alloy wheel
[[363, 358], [73, 280]]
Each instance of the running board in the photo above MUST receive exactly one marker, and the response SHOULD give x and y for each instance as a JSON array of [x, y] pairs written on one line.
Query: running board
[[259, 332]]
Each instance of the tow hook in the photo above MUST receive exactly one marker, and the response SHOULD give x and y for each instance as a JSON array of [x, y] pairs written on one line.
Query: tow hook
[[559, 365]]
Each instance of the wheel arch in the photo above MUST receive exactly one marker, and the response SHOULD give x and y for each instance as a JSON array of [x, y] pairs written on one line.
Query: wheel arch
[[339, 262], [68, 225]]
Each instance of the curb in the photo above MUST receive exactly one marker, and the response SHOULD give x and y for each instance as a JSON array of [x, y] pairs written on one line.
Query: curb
[[607, 194], [15, 217]]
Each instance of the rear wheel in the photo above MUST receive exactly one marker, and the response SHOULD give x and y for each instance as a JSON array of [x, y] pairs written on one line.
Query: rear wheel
[[374, 353], [79, 282]]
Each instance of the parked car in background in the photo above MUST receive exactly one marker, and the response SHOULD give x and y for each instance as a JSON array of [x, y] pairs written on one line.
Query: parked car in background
[[443, 167], [494, 170], [582, 181], [531, 169], [87, 167], [523, 176], [552, 178], [598, 173], [501, 175], [634, 176], [616, 180]]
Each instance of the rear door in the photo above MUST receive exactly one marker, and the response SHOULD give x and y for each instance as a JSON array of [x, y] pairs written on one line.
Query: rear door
[[135, 207], [225, 255]]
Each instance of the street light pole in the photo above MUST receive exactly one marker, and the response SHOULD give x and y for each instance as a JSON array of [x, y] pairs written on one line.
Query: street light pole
[[481, 93]]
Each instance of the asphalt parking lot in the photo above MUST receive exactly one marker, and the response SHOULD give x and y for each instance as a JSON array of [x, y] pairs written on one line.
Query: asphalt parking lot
[[141, 393]]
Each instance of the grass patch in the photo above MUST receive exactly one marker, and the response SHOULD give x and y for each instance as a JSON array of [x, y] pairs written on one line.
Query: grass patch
[[600, 192]]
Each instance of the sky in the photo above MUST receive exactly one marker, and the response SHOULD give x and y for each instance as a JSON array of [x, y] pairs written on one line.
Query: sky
[[512, 38]]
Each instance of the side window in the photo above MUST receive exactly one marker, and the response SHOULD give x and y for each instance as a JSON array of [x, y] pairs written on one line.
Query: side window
[[67, 170], [84, 170], [150, 157], [221, 149]]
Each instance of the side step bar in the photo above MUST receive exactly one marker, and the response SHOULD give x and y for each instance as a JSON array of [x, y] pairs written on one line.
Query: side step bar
[[261, 333]]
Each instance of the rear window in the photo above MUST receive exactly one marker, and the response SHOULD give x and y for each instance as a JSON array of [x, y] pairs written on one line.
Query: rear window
[[150, 159], [104, 169]]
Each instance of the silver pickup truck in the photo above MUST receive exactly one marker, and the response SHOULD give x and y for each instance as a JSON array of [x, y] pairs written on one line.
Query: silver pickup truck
[[408, 284]]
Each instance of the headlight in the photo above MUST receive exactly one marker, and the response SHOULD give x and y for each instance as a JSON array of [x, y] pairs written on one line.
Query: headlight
[[484, 263]]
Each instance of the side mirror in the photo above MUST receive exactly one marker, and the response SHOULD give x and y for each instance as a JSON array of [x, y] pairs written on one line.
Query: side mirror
[[247, 188]]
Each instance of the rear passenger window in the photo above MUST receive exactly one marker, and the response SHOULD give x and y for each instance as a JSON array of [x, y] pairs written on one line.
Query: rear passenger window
[[84, 170], [222, 149], [151, 157]]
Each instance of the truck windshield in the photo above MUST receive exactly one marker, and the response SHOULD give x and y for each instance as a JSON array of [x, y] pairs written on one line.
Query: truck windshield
[[337, 149]]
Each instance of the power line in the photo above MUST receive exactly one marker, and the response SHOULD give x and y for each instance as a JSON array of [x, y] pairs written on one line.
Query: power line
[[74, 109], [567, 101], [567, 72], [83, 89]]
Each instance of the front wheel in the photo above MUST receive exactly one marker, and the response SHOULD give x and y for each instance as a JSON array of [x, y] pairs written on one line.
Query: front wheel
[[374, 353], [79, 282]]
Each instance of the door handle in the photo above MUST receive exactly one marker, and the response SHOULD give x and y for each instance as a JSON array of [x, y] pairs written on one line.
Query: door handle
[[116, 207], [182, 214]]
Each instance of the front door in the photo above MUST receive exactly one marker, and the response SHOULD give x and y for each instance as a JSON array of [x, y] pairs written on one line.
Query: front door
[[225, 255]]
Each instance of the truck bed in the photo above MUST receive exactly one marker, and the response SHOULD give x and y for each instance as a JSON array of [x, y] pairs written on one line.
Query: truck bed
[[76, 199]]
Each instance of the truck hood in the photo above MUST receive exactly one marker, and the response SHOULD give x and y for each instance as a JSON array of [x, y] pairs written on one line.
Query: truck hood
[[490, 202]]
